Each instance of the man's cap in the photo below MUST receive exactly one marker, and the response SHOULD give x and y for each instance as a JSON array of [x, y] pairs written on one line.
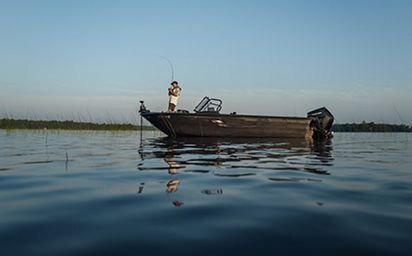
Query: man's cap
[[174, 82]]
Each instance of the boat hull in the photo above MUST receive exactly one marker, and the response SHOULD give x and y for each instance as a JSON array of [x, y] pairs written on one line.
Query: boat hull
[[227, 125]]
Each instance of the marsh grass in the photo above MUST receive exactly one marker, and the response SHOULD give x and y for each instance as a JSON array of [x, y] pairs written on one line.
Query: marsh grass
[[6, 123]]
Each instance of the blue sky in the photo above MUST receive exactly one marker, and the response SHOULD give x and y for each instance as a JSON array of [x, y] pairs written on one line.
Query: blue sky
[[96, 59]]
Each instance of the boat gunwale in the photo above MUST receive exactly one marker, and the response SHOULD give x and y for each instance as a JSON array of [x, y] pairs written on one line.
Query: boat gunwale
[[211, 114]]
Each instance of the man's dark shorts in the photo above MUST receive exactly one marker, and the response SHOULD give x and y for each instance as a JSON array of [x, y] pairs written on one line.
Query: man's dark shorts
[[172, 107]]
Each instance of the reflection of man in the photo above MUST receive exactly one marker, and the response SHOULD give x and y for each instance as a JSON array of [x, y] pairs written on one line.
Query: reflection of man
[[171, 187], [173, 166]]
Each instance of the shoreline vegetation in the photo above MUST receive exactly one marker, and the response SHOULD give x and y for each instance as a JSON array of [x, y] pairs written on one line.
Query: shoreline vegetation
[[67, 125], [371, 127], [7, 123]]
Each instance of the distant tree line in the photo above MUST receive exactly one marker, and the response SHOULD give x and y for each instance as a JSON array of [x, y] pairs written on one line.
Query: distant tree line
[[64, 125], [371, 127]]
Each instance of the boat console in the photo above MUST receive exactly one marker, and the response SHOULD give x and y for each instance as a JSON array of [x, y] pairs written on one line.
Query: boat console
[[208, 105]]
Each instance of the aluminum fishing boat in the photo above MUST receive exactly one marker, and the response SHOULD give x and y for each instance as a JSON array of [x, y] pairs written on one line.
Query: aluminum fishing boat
[[207, 121]]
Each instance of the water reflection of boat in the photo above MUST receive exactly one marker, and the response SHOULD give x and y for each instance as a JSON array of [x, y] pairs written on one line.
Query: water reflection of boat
[[275, 160], [183, 153], [207, 121]]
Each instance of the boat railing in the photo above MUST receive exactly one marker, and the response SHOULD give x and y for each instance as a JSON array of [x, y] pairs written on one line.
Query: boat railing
[[209, 105]]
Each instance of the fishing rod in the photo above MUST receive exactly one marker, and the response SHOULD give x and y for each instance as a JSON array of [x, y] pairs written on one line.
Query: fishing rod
[[171, 67]]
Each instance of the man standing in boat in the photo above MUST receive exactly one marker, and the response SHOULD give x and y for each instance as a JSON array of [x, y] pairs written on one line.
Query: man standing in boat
[[174, 93]]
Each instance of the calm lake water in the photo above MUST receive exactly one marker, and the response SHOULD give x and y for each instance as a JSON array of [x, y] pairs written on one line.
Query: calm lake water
[[113, 193]]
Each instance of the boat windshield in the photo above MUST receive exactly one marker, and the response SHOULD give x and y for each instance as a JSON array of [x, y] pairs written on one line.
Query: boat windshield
[[209, 105]]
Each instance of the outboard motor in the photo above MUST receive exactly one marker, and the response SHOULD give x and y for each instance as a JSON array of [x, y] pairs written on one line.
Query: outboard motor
[[324, 120]]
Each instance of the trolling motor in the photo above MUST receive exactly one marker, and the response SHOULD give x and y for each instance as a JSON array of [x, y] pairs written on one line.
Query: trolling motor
[[142, 108]]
